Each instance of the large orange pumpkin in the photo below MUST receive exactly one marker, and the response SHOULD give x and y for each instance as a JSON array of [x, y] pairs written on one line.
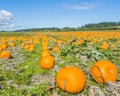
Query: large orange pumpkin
[[5, 54], [47, 62], [71, 79], [104, 71]]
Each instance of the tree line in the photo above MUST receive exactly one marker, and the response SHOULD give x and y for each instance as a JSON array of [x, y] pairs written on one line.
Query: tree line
[[92, 26]]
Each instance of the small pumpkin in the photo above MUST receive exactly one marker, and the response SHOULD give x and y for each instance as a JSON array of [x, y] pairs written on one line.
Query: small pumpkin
[[5, 54], [11, 44], [54, 49], [22, 44], [104, 46], [45, 52], [47, 62], [26, 47], [44, 47], [31, 48], [4, 46]]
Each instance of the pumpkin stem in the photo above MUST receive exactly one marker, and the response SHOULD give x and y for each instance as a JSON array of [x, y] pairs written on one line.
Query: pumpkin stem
[[64, 83], [55, 85]]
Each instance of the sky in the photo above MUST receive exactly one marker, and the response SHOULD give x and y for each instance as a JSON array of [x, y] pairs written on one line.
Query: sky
[[21, 14]]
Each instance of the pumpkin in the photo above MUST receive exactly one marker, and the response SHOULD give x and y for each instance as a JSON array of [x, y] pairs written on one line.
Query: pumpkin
[[105, 46], [5, 54], [71, 79], [44, 47], [104, 71], [31, 48], [59, 42], [26, 47], [54, 49], [11, 44], [4, 46], [22, 44], [47, 62], [45, 52]]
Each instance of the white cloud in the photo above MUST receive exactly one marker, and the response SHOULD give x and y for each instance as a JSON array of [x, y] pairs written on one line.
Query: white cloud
[[5, 15], [6, 20], [81, 6]]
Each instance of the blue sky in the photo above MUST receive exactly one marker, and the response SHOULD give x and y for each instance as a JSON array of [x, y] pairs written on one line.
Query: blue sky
[[56, 13]]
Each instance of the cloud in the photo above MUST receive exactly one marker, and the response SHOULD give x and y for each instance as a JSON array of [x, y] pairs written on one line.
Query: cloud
[[80, 6], [6, 20]]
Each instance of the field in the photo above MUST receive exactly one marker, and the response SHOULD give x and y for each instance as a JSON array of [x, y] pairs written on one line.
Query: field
[[21, 74]]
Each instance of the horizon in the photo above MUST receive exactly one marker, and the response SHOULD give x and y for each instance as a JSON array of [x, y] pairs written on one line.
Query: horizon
[[24, 14]]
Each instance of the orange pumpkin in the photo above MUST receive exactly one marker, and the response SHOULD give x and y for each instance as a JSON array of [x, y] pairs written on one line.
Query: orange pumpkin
[[105, 46], [71, 79], [44, 43], [26, 47], [47, 62], [31, 48], [104, 71], [5, 54], [44, 47], [22, 44], [45, 52], [59, 42], [4, 46], [11, 44], [54, 49]]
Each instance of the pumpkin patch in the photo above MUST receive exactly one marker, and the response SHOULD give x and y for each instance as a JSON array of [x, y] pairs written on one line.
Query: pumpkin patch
[[60, 63]]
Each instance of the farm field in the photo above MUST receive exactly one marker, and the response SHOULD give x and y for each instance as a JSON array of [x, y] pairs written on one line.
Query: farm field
[[22, 72]]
